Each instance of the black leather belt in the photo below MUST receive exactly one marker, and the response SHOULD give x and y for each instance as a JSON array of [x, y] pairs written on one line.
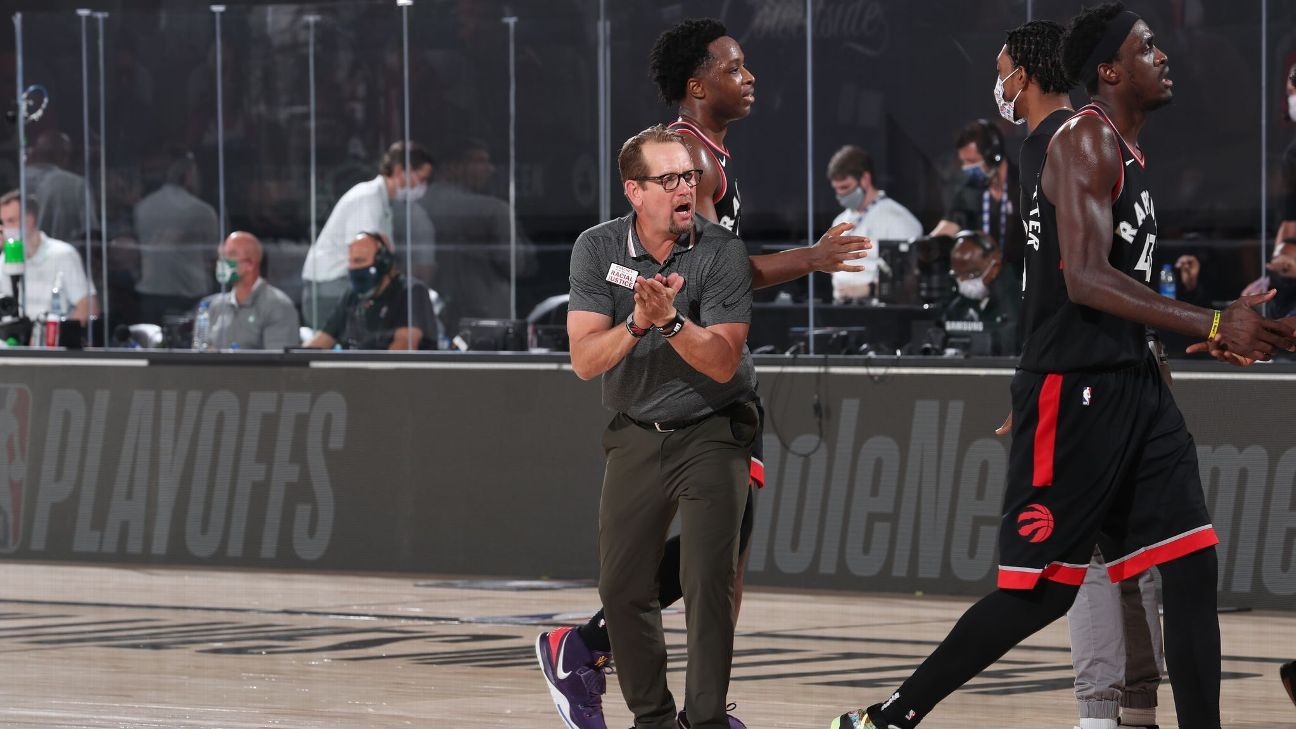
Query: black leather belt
[[671, 425]]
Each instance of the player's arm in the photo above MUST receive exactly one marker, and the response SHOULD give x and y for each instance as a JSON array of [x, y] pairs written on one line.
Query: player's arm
[[711, 175], [832, 253], [1079, 177]]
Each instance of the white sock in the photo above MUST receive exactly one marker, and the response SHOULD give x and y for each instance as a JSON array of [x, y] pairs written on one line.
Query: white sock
[[1097, 724]]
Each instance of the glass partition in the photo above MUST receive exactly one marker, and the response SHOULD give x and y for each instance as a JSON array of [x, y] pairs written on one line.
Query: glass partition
[[521, 120]]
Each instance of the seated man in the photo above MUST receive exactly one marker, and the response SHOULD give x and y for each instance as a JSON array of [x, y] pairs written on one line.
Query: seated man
[[46, 258], [374, 313], [982, 318], [252, 314]]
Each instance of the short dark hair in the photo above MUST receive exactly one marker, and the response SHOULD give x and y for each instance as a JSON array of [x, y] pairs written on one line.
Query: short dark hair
[[679, 53], [630, 161], [849, 161], [395, 156], [182, 162], [13, 196], [1037, 47], [1082, 37]]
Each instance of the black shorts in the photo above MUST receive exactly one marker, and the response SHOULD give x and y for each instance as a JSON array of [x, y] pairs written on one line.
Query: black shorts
[[1098, 458]]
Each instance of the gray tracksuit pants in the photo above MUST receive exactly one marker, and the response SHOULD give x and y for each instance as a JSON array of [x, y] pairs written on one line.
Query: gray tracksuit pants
[[1115, 643]]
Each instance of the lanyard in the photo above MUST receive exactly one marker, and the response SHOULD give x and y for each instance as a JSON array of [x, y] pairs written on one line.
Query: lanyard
[[1004, 208]]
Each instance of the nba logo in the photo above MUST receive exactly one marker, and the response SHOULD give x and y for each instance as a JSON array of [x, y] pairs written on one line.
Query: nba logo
[[1085, 395], [15, 415]]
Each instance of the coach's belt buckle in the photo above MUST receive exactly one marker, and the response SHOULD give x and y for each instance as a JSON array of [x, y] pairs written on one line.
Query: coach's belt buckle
[[663, 430]]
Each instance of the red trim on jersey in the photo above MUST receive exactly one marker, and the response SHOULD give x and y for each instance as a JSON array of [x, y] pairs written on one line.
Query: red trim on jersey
[[1095, 111], [1046, 430], [1173, 548], [757, 472], [1026, 579], [713, 149]]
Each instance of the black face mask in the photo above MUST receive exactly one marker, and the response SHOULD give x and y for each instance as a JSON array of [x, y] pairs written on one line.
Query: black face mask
[[365, 281]]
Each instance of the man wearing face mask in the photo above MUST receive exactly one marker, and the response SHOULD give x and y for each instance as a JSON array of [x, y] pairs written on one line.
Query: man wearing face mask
[[983, 200], [987, 302], [47, 260], [374, 312], [249, 313], [873, 215], [365, 207]]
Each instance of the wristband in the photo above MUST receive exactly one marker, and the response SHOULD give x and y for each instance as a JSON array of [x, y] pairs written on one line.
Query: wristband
[[1214, 325], [673, 327], [635, 331]]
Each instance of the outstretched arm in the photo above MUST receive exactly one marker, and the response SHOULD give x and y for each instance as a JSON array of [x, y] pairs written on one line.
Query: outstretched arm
[[832, 253]]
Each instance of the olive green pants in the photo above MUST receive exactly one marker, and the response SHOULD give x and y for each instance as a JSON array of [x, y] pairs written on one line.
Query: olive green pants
[[701, 473]]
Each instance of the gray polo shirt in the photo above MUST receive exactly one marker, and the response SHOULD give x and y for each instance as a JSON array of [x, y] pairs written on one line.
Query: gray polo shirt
[[267, 320], [653, 383]]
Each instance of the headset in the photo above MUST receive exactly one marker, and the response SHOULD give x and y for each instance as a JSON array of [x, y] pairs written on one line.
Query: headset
[[990, 142], [384, 259]]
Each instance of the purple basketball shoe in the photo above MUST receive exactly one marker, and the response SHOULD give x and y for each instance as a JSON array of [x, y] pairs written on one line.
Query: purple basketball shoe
[[575, 676]]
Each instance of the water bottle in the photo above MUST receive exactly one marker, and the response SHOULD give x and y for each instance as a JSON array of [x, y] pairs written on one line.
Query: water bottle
[[54, 318], [1167, 287], [202, 327]]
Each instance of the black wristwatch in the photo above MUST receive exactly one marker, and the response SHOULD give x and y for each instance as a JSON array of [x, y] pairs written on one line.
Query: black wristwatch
[[637, 332], [672, 327]]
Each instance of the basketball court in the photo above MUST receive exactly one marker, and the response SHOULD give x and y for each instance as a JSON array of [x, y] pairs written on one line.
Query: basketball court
[[106, 646]]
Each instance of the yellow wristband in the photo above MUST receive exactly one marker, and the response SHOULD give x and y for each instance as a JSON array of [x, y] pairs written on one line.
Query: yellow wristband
[[1214, 326]]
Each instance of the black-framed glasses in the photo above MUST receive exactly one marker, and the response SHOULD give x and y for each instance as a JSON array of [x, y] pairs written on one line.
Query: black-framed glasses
[[969, 275], [671, 180]]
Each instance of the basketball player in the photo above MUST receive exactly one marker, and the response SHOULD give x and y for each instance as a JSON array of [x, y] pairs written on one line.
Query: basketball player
[[1099, 449], [1115, 629], [700, 69]]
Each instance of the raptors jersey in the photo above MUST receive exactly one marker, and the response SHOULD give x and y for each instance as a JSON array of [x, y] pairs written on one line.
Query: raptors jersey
[[726, 200], [1060, 335]]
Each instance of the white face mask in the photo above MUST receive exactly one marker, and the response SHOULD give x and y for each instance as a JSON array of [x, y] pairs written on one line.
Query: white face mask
[[973, 288], [411, 193], [1007, 109], [1291, 107]]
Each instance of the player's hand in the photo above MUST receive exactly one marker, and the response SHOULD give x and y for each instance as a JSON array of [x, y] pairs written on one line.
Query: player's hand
[[656, 297], [1006, 428], [1189, 270], [1245, 333], [835, 250], [1213, 350]]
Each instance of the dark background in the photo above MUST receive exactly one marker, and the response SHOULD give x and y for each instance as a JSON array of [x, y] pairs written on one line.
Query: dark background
[[897, 77]]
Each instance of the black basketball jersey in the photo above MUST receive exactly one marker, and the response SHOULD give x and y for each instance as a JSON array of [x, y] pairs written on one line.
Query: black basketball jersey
[[1032, 159], [1060, 335], [727, 203]]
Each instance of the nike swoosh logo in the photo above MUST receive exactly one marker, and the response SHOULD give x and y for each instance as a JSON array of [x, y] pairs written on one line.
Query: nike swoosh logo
[[1129, 162], [558, 670]]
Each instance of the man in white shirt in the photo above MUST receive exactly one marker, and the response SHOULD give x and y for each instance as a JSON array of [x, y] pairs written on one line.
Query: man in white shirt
[[46, 259], [365, 207], [177, 233], [871, 212]]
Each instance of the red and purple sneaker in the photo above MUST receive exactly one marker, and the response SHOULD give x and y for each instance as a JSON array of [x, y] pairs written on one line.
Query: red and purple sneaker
[[575, 675]]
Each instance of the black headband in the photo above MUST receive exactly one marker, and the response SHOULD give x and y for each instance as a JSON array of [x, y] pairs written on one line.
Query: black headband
[[1118, 28]]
